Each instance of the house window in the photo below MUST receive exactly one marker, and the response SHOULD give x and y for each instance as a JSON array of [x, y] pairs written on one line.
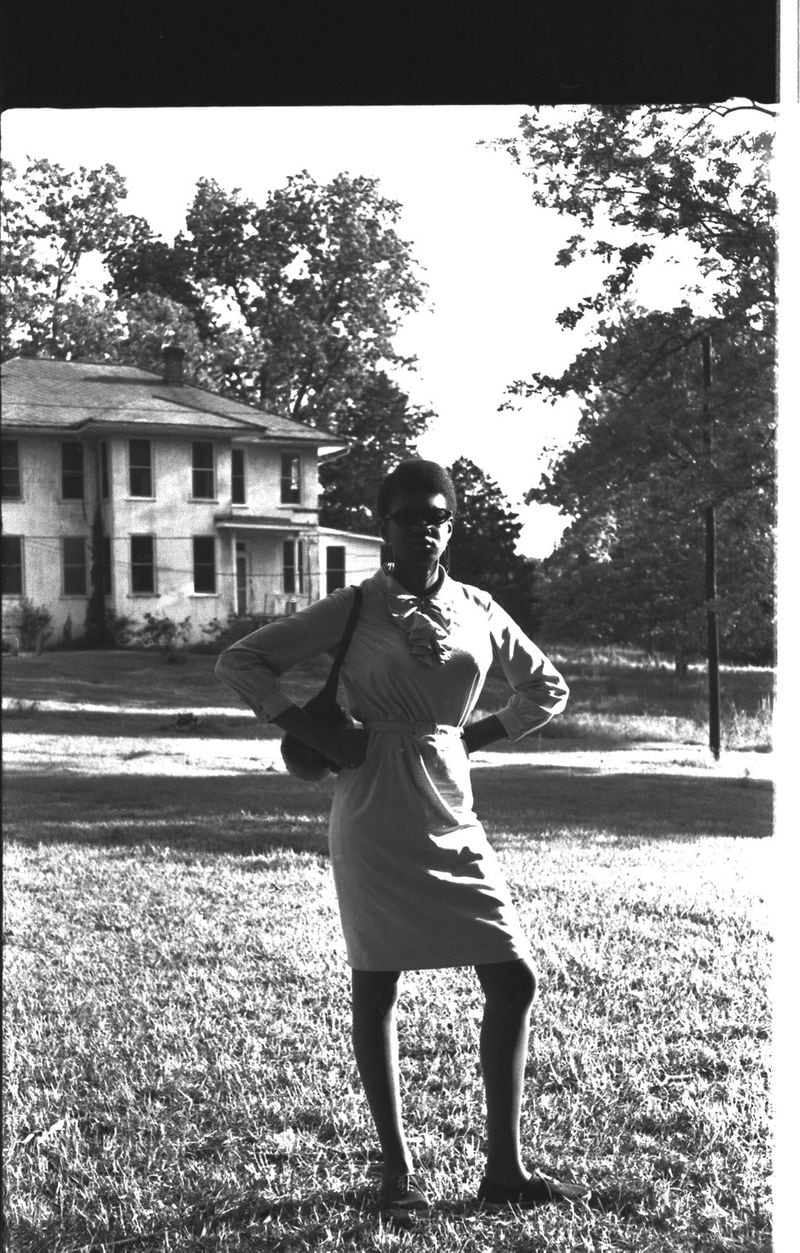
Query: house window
[[12, 487], [12, 565], [290, 479], [72, 470], [143, 573], [140, 467], [293, 556], [203, 471], [73, 565], [105, 491], [205, 571], [335, 568], [237, 476]]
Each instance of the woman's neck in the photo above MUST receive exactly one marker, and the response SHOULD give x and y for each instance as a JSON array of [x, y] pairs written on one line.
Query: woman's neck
[[418, 580]]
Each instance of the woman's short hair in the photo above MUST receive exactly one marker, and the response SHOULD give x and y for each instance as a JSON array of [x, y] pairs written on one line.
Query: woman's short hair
[[416, 475]]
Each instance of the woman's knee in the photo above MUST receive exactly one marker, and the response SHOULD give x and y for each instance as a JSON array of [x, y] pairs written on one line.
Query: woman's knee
[[509, 983], [375, 991]]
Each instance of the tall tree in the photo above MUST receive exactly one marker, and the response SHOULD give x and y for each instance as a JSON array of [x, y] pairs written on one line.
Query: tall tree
[[306, 290], [296, 303], [483, 548], [630, 576], [652, 452], [53, 218], [383, 429], [632, 178], [132, 330], [141, 264], [649, 456]]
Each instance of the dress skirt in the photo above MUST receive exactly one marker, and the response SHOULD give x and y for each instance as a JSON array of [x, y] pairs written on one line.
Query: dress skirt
[[417, 881]]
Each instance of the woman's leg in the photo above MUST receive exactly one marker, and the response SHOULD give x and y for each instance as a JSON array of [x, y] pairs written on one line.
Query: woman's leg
[[509, 989], [377, 1057]]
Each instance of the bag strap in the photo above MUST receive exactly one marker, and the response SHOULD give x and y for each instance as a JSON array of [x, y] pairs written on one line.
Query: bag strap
[[332, 681]]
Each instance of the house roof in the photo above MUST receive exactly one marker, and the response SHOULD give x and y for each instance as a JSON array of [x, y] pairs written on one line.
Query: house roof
[[263, 522], [378, 540], [82, 397]]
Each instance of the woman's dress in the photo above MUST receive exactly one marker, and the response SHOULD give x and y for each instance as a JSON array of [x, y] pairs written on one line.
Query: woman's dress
[[417, 881]]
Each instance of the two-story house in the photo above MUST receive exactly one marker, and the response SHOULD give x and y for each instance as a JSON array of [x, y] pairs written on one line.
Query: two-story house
[[201, 507]]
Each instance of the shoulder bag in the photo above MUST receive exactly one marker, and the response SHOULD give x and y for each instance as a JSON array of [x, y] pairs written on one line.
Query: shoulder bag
[[301, 760]]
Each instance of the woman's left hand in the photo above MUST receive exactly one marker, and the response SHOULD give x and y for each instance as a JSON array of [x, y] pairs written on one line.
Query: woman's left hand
[[479, 734]]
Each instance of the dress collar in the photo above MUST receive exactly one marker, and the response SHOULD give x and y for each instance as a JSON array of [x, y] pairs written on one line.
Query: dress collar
[[425, 620], [441, 591]]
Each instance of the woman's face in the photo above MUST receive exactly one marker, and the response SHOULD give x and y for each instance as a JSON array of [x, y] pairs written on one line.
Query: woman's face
[[418, 527]]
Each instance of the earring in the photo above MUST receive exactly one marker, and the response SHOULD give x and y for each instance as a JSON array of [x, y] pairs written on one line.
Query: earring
[[386, 558]]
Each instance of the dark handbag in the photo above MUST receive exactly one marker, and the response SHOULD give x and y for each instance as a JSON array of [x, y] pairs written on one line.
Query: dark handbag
[[301, 760]]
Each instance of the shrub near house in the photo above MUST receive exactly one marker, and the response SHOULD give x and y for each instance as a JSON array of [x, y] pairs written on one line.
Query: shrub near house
[[168, 500]]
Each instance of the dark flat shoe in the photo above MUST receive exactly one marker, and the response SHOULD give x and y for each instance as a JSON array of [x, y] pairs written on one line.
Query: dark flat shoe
[[403, 1194], [539, 1190]]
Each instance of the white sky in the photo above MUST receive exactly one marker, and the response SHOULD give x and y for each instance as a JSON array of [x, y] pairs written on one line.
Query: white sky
[[487, 253]]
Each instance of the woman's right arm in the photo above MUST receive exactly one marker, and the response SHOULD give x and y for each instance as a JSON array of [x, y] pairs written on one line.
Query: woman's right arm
[[252, 666]]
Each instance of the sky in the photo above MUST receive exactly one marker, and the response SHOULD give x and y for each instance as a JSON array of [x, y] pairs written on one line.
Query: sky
[[486, 252]]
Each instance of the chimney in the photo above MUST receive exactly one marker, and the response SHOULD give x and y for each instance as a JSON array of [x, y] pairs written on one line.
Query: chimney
[[173, 364]]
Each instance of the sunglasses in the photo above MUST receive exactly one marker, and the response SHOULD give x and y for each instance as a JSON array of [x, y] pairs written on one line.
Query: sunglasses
[[429, 517]]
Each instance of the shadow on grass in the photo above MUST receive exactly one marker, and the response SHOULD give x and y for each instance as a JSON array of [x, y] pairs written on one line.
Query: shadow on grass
[[257, 1223], [286, 1223], [147, 724], [290, 1223], [257, 813], [517, 801], [141, 725]]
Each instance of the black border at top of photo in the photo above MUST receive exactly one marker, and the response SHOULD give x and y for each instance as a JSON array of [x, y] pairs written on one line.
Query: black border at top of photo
[[137, 53]]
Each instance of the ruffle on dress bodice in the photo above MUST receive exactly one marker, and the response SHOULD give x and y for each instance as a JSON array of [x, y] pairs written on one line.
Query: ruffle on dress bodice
[[426, 621]]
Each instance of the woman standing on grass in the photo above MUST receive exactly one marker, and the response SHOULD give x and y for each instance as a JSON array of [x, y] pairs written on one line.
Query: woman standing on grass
[[417, 882]]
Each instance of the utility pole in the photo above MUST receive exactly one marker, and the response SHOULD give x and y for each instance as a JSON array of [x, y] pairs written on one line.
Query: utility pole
[[711, 563]]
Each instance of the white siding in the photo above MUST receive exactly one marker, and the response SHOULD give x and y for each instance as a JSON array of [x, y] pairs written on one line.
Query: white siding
[[174, 518]]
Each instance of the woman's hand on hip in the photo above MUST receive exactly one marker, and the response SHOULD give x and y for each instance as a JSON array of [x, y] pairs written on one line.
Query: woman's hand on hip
[[479, 734]]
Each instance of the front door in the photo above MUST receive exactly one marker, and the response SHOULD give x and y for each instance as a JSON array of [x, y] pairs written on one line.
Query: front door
[[241, 578]]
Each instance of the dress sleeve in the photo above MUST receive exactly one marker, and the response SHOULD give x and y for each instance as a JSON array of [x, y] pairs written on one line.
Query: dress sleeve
[[539, 691], [252, 666]]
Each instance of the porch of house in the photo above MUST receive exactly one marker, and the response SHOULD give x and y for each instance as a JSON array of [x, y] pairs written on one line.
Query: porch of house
[[268, 567]]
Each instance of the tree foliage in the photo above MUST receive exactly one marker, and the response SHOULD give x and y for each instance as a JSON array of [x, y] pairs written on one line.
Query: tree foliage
[[300, 296], [52, 219], [483, 547], [295, 304], [632, 178], [653, 449], [383, 429]]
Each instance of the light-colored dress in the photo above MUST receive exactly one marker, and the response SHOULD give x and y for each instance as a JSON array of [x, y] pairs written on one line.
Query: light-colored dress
[[417, 881]]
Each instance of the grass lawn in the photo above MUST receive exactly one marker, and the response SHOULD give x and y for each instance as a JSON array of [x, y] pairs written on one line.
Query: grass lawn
[[615, 700], [178, 1073]]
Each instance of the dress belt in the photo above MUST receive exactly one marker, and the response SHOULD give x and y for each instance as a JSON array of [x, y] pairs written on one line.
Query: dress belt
[[412, 727]]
